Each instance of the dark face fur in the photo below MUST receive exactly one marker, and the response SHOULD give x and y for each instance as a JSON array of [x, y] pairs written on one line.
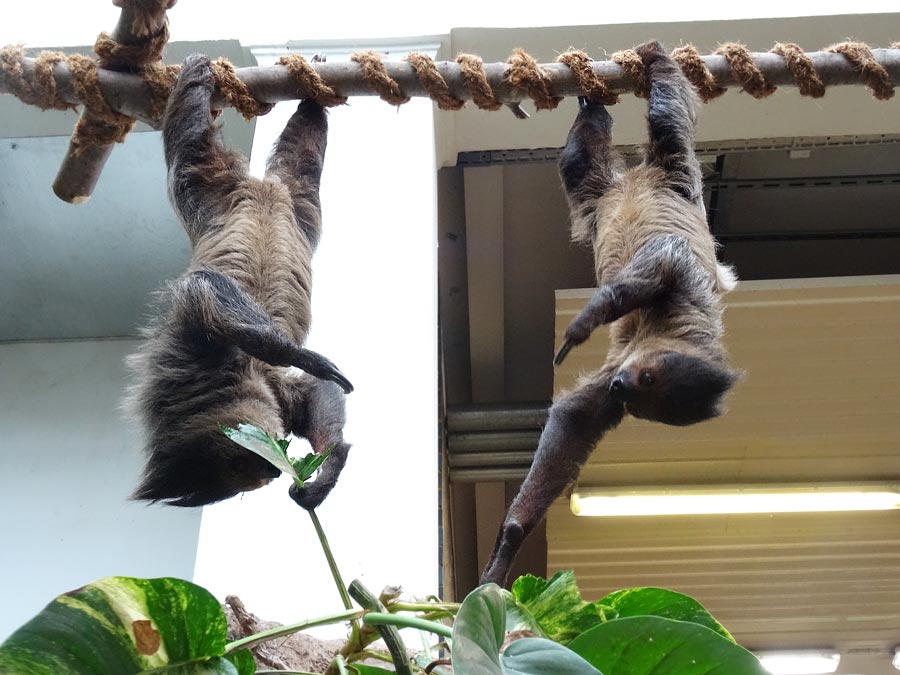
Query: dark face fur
[[672, 387], [201, 469]]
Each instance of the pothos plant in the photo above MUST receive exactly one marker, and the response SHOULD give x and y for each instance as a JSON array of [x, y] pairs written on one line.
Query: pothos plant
[[129, 626]]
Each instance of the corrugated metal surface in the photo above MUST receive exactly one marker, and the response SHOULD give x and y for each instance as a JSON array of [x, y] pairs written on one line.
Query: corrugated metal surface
[[820, 402]]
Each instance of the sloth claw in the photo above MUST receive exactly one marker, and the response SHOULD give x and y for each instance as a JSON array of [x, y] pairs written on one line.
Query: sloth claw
[[564, 350]]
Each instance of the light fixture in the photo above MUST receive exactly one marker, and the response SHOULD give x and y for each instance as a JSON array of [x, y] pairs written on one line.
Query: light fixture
[[800, 662], [713, 499]]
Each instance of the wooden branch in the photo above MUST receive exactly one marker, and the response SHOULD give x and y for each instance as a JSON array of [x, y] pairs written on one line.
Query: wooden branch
[[81, 167], [128, 94]]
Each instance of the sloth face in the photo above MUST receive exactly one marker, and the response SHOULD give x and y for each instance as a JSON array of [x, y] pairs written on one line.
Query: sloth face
[[672, 387], [201, 469]]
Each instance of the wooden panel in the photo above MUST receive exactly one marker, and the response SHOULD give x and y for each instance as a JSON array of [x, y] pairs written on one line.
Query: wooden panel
[[820, 401]]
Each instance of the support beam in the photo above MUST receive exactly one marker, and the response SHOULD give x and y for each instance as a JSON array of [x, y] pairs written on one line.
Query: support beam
[[81, 167], [128, 94]]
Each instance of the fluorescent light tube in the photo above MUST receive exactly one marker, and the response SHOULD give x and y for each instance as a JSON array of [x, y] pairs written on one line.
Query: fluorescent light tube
[[802, 662], [721, 499]]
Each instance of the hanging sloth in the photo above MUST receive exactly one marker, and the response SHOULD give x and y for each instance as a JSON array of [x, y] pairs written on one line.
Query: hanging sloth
[[238, 317], [660, 290]]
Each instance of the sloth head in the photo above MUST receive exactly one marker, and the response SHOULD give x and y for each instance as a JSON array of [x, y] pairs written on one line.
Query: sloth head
[[672, 382], [192, 467]]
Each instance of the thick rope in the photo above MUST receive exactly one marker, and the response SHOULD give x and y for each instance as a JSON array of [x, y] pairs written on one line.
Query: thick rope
[[873, 73], [235, 92], [433, 82], [697, 73], [593, 86], [472, 68], [524, 74], [633, 66], [745, 70], [43, 93], [309, 83], [109, 126], [150, 27], [374, 73], [801, 67]]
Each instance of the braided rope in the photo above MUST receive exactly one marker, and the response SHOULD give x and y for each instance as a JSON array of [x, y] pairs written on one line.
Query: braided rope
[[873, 73], [433, 82], [593, 86], [235, 92], [633, 66], [697, 72], [308, 81], [801, 67], [472, 68], [525, 75], [375, 75], [745, 70]]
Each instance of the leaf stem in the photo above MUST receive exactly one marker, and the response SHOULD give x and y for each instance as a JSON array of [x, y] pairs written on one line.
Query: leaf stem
[[382, 619], [449, 607], [332, 565], [281, 631]]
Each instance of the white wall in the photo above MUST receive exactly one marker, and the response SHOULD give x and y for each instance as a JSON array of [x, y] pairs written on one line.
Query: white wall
[[375, 315], [68, 461]]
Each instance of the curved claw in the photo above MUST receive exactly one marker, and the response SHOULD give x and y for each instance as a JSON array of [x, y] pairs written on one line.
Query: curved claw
[[318, 366], [564, 350], [341, 380]]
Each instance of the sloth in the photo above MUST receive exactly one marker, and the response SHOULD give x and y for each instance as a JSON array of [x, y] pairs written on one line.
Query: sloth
[[660, 289], [235, 321]]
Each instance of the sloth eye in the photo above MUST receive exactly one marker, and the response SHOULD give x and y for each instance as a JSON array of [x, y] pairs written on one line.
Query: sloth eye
[[646, 378]]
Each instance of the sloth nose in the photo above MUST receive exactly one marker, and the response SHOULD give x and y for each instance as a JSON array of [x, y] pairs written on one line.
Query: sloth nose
[[617, 387]]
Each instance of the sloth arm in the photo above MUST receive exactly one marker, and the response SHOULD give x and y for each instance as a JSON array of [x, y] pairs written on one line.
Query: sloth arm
[[652, 272], [202, 172], [576, 423], [315, 410], [215, 305]]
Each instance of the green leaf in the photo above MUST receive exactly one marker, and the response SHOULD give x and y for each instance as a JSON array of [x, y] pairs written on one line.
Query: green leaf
[[478, 631], [307, 466], [125, 626], [478, 634], [556, 605], [665, 603], [256, 440], [537, 656], [519, 618], [243, 660], [643, 645], [362, 669]]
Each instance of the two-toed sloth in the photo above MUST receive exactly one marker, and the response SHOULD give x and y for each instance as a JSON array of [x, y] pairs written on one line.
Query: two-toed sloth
[[239, 315], [660, 290]]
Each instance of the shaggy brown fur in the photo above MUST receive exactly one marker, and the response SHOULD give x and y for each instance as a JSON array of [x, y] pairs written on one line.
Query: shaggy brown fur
[[238, 316], [660, 288]]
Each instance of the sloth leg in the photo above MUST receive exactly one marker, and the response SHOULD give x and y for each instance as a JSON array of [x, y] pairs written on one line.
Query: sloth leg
[[297, 159], [589, 164], [671, 118], [654, 270], [213, 305], [315, 411], [202, 173], [577, 421]]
